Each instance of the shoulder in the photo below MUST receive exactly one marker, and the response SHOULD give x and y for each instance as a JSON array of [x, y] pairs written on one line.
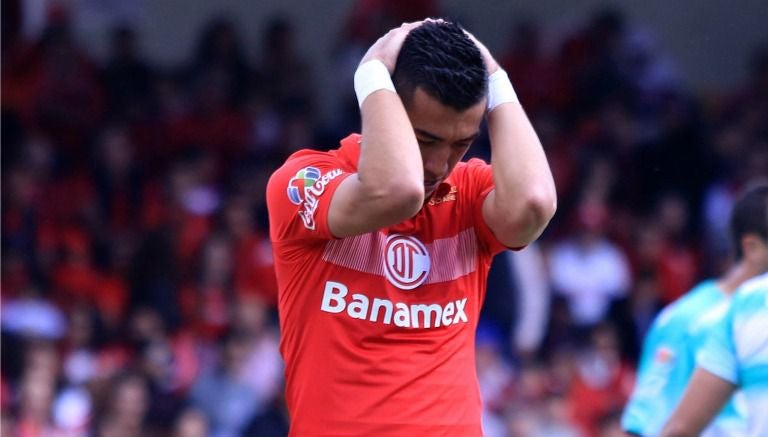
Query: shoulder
[[472, 165], [305, 164], [752, 298], [755, 286], [689, 305]]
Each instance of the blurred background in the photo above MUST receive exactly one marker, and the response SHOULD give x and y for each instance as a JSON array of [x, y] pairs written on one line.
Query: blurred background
[[138, 296]]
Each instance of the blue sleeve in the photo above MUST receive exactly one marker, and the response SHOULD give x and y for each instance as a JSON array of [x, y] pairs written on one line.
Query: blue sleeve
[[718, 356], [641, 411]]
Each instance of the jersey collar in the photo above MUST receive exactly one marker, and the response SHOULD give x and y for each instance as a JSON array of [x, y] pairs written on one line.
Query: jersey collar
[[349, 152]]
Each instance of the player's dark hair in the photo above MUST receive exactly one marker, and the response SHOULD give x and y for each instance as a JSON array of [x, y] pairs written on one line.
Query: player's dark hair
[[442, 60], [750, 216]]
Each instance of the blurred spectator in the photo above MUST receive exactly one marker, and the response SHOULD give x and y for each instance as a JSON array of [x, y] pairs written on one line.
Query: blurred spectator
[[36, 394], [80, 354], [66, 99], [254, 269], [516, 302], [677, 265], [264, 366], [495, 375], [222, 394], [125, 408], [593, 61], [218, 81], [588, 269], [204, 301], [127, 77], [538, 81], [169, 362], [283, 74], [191, 423], [31, 315], [220, 52], [602, 381], [532, 300]]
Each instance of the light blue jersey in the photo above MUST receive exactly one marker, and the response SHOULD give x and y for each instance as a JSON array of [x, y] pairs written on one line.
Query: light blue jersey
[[737, 350], [669, 358]]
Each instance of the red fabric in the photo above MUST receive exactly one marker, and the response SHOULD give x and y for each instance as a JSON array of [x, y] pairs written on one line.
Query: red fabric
[[224, 133], [677, 272], [192, 231], [255, 269], [369, 19], [390, 374], [111, 297], [539, 83], [205, 310], [76, 281], [589, 405], [186, 361]]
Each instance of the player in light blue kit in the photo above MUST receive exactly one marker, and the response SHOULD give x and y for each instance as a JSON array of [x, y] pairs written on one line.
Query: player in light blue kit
[[681, 329], [734, 357]]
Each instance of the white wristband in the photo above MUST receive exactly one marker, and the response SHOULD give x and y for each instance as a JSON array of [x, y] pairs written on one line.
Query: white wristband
[[500, 90], [372, 76]]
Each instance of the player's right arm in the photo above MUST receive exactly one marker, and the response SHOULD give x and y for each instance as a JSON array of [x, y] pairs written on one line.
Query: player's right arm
[[389, 185], [712, 384], [703, 399]]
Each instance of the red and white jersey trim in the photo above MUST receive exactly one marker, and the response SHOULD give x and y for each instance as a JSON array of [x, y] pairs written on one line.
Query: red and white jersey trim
[[451, 258]]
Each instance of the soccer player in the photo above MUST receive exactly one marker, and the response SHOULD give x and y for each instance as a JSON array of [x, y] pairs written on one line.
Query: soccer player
[[735, 356], [681, 329], [382, 246]]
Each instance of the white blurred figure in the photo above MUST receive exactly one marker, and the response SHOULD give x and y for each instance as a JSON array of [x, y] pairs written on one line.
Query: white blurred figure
[[263, 370], [588, 269]]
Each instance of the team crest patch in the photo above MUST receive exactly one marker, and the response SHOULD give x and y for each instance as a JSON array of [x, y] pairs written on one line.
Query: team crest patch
[[305, 189], [406, 261]]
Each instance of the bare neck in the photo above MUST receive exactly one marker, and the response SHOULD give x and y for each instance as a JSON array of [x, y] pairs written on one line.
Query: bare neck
[[737, 274]]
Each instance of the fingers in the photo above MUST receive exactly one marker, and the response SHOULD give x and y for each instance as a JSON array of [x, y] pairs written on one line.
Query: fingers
[[386, 48], [409, 26], [490, 62]]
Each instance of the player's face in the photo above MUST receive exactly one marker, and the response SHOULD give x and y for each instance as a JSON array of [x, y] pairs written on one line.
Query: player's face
[[444, 135], [761, 250]]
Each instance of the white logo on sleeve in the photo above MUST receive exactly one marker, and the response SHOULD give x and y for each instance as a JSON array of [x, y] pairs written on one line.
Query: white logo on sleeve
[[305, 189], [406, 261]]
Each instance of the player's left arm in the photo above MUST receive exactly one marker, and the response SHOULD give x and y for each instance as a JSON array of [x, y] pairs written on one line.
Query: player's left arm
[[523, 199], [703, 399], [713, 382]]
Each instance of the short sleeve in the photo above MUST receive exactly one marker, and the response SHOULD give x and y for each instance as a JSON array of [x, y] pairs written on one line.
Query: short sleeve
[[478, 180], [299, 196], [718, 355]]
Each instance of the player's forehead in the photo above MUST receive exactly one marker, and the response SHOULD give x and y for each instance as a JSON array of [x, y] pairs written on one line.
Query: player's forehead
[[428, 115]]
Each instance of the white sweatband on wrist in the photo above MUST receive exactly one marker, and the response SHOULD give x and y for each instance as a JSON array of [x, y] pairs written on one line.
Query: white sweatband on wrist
[[372, 76], [500, 90]]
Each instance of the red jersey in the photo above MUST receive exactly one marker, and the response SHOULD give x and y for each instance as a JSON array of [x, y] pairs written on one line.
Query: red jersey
[[378, 330]]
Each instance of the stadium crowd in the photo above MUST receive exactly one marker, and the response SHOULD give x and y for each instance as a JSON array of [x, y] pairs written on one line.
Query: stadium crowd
[[138, 296]]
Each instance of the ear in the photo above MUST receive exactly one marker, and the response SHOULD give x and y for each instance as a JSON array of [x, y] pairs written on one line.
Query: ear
[[752, 246]]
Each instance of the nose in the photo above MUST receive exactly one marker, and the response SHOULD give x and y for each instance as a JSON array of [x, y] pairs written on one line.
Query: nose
[[435, 162]]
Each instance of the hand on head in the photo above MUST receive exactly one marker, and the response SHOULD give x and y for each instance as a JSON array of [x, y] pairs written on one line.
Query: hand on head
[[490, 63], [386, 48]]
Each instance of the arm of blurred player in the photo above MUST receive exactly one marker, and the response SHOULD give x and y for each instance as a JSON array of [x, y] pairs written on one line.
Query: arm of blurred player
[[389, 185], [703, 399], [524, 198]]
